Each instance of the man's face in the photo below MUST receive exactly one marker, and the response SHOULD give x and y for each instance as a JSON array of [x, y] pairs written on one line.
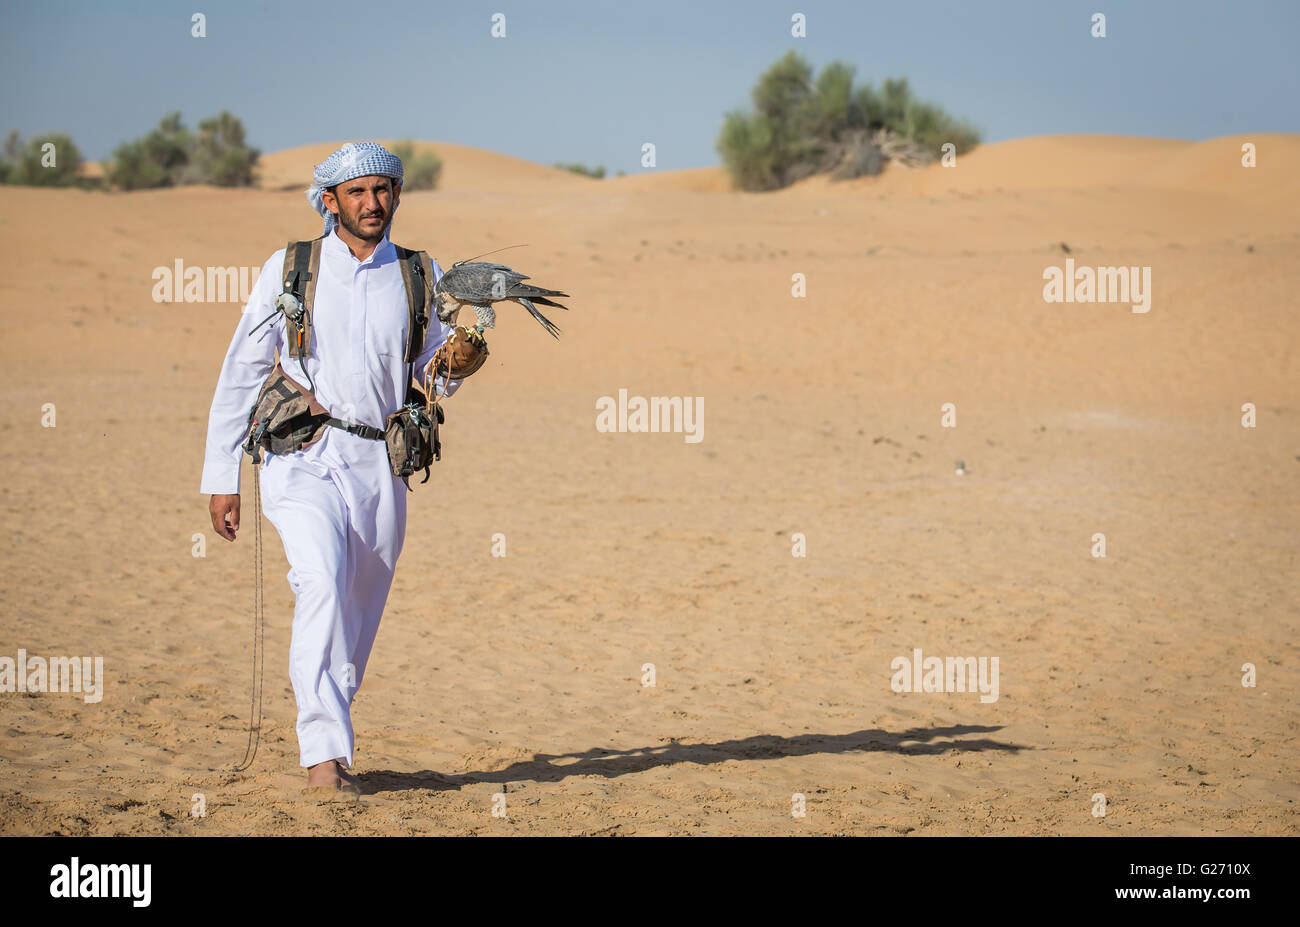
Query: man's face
[[364, 206]]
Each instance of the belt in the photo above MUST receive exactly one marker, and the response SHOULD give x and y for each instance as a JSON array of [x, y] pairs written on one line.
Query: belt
[[361, 431]]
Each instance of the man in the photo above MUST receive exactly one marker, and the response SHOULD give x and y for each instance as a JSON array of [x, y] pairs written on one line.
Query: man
[[336, 504]]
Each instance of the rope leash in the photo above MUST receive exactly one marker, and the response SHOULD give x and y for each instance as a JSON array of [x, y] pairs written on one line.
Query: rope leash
[[259, 632], [432, 373]]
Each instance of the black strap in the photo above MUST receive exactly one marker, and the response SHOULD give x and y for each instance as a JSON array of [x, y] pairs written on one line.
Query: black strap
[[417, 292], [417, 268], [361, 431], [301, 271]]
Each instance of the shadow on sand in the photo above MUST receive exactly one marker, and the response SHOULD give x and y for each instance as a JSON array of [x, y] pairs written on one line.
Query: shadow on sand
[[599, 761]]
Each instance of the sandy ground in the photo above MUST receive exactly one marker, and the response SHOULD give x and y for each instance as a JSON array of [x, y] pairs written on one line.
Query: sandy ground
[[522, 675]]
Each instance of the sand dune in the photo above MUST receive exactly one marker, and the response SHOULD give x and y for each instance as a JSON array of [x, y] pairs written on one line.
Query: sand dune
[[522, 675], [1056, 162], [1093, 162], [464, 169], [689, 180]]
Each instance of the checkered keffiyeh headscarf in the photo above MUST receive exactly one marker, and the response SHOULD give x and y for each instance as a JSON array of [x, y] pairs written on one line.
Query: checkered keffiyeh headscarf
[[359, 159]]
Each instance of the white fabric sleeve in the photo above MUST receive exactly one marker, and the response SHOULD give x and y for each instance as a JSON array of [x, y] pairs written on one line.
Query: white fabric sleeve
[[436, 336], [249, 360]]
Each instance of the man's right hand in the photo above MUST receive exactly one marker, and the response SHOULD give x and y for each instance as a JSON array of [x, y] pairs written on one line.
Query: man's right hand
[[221, 506]]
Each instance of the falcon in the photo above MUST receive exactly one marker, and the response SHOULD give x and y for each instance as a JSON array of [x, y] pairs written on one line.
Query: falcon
[[478, 284]]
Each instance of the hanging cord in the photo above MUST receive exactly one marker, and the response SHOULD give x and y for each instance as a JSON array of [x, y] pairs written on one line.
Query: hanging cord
[[311, 387], [301, 326], [295, 327], [259, 632], [432, 374]]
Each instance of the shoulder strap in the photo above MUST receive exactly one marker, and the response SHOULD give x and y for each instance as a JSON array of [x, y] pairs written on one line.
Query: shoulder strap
[[301, 271], [417, 275]]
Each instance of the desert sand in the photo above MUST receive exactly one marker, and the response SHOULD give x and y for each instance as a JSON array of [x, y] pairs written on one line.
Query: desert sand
[[522, 675]]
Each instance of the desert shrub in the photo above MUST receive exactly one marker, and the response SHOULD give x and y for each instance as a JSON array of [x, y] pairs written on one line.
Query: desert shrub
[[156, 160], [29, 164], [420, 171], [218, 154], [802, 126], [596, 173], [12, 149], [928, 125], [749, 152], [132, 168], [833, 102], [171, 155]]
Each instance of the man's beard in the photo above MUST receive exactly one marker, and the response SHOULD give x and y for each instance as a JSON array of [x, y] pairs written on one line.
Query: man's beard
[[355, 229]]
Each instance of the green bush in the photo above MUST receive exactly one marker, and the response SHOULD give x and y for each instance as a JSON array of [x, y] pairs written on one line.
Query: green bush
[[172, 155], [801, 126], [596, 173], [420, 171], [31, 165], [219, 156], [924, 123], [834, 111], [133, 169], [750, 153], [157, 160]]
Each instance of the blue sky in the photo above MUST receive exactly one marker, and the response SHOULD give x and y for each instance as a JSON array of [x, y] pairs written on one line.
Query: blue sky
[[591, 81]]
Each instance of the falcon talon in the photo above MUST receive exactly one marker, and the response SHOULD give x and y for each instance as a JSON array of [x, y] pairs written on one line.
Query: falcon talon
[[461, 355]]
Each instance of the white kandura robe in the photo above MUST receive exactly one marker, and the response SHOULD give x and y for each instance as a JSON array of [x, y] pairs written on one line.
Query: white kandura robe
[[339, 509]]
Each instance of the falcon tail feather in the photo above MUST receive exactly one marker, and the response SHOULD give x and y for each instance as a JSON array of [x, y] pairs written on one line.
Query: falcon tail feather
[[527, 289], [551, 328]]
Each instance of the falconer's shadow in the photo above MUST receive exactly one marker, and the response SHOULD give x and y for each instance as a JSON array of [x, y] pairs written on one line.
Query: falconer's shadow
[[600, 761]]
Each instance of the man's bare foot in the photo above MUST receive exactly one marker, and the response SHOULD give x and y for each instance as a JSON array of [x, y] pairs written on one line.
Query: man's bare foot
[[332, 774], [349, 780]]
